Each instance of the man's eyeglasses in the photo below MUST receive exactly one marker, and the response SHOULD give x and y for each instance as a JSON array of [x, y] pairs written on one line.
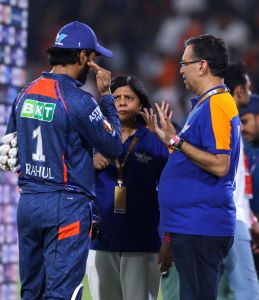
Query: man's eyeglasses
[[186, 63]]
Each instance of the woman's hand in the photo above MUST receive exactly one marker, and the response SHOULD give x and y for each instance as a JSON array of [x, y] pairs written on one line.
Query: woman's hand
[[100, 162]]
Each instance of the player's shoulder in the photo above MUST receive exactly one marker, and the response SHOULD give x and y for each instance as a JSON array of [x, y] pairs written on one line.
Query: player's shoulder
[[225, 102], [77, 94]]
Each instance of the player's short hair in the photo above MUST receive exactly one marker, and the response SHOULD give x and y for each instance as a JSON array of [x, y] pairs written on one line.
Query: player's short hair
[[64, 56], [236, 74], [213, 50], [136, 86]]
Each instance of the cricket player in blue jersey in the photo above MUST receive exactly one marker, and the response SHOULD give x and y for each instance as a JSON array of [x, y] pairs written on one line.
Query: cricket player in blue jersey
[[57, 125]]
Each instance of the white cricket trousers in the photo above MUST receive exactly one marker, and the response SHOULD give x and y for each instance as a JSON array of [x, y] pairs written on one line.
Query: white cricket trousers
[[123, 275]]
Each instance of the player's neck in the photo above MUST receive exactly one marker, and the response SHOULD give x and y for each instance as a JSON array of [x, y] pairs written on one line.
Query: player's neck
[[128, 130], [71, 70]]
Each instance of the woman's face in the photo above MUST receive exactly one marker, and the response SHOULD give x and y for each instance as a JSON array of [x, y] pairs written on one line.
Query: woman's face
[[127, 104]]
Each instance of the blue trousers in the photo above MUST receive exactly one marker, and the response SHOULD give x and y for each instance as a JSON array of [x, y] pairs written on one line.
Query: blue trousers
[[53, 230], [240, 266], [199, 263]]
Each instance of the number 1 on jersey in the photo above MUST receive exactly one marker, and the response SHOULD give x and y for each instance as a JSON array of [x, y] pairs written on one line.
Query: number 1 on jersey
[[38, 156]]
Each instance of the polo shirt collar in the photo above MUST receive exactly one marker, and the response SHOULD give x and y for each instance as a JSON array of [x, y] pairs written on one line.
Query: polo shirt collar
[[61, 77], [197, 99]]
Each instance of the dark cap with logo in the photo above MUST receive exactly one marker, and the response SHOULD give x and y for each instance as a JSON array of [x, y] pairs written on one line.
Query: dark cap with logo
[[252, 107], [76, 35]]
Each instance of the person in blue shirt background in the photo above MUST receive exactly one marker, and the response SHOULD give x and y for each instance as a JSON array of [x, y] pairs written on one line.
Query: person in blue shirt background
[[57, 126], [250, 130], [123, 264]]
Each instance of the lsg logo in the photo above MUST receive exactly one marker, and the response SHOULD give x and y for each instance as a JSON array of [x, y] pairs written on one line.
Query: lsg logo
[[33, 109]]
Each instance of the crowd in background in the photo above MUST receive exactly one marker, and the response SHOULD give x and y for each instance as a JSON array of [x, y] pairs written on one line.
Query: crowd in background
[[147, 37]]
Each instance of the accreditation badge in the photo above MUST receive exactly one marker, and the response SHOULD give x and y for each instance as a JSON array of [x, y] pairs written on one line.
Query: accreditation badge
[[120, 199]]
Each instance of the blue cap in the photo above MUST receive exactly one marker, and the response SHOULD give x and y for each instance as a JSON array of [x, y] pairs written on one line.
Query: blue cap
[[76, 35], [252, 107]]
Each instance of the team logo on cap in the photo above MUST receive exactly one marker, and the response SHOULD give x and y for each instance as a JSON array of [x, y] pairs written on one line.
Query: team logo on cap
[[59, 38]]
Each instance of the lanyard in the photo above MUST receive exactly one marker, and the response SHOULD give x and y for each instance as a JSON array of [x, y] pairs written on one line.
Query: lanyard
[[203, 98], [120, 167]]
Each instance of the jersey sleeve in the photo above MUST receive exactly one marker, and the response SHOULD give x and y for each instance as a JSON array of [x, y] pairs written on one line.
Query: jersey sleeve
[[92, 125], [216, 129]]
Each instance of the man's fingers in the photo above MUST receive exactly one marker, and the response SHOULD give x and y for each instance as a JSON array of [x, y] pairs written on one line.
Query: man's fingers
[[160, 113], [94, 66], [165, 110], [162, 105], [170, 115]]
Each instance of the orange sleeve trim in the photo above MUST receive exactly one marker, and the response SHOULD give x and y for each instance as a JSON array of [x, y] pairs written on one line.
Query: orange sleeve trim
[[64, 168], [44, 87], [223, 110], [61, 98], [69, 230], [170, 150]]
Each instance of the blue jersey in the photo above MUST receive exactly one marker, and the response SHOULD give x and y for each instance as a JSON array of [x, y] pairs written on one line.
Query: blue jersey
[[192, 200], [57, 125], [137, 229]]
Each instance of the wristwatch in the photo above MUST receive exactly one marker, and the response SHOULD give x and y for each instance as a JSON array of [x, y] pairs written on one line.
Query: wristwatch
[[178, 146]]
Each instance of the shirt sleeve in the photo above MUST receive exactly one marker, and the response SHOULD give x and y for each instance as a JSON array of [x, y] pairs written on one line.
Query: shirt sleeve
[[216, 129], [92, 125]]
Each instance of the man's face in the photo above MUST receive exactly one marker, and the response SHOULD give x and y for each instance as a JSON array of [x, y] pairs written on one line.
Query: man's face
[[82, 76], [250, 127], [189, 71]]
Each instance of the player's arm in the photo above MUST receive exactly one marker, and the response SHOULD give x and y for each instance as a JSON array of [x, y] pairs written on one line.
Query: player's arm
[[102, 133], [217, 164]]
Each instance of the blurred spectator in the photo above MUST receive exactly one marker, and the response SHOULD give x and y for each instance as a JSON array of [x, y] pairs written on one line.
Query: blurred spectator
[[226, 24], [250, 130], [239, 263]]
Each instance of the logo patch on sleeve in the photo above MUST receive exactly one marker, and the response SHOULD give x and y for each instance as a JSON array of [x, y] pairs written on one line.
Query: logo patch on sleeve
[[96, 115], [33, 109]]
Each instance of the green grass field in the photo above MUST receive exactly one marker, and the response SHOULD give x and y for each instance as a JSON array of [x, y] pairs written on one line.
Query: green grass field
[[87, 295]]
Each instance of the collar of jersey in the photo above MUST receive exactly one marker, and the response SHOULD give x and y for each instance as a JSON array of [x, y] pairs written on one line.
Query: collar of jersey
[[61, 77], [197, 99]]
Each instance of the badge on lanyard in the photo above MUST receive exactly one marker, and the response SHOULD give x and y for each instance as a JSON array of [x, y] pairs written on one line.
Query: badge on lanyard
[[120, 189], [120, 199]]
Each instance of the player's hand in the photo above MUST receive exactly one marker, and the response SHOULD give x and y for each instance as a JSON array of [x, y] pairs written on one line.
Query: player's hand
[[100, 162], [103, 78], [165, 257]]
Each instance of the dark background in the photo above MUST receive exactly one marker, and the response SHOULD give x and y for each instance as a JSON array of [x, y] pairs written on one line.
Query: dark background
[[147, 37]]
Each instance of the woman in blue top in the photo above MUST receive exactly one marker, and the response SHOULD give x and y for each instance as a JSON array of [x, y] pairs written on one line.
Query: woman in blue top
[[123, 264]]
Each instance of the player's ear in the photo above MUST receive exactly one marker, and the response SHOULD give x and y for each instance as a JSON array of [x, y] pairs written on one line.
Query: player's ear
[[82, 57]]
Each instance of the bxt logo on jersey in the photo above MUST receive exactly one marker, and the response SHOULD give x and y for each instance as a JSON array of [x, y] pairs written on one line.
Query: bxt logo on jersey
[[38, 110], [59, 38]]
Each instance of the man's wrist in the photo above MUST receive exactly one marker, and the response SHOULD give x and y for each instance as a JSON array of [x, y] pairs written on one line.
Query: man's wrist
[[178, 146], [167, 238], [173, 141]]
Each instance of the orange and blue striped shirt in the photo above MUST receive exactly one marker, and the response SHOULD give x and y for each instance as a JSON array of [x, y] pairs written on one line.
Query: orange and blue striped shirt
[[192, 200]]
